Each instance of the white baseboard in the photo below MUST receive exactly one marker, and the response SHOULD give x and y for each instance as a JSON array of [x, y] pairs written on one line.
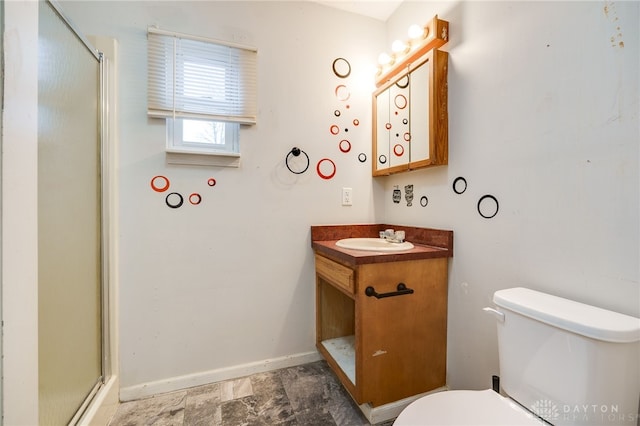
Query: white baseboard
[[391, 410], [171, 384]]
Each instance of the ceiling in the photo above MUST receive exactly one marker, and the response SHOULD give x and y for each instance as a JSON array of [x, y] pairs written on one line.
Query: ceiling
[[378, 9]]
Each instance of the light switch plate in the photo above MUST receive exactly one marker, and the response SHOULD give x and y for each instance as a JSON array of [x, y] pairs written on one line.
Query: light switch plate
[[347, 196]]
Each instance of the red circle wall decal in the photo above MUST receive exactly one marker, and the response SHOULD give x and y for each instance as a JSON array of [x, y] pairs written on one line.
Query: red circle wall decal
[[195, 198], [323, 175], [155, 181]]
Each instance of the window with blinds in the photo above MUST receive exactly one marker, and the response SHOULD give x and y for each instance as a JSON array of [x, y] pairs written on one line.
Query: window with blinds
[[205, 89]]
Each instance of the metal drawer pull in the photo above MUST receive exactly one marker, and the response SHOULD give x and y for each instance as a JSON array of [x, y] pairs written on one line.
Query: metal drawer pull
[[402, 289]]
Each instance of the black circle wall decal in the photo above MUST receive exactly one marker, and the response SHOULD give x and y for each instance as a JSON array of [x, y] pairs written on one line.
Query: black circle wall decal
[[488, 206], [341, 67], [424, 201], [174, 200], [362, 157], [382, 159], [459, 185]]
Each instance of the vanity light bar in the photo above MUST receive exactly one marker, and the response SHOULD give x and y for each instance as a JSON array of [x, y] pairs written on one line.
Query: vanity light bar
[[437, 34]]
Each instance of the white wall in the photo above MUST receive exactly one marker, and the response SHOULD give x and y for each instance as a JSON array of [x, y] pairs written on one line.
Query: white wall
[[20, 215], [543, 114], [230, 283], [543, 106]]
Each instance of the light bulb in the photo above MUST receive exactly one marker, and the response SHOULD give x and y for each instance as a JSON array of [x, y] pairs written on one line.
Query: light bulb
[[416, 32], [399, 46], [385, 59]]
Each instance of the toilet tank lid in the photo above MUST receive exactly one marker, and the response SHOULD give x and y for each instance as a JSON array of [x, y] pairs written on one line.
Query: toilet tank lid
[[576, 317]]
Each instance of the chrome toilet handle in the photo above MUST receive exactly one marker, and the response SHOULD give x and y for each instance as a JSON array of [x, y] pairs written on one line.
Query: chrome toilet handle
[[499, 315]]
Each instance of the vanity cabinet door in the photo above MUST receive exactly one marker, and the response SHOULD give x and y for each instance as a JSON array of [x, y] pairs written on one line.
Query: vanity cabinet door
[[381, 141], [391, 127], [401, 340], [399, 126], [419, 117], [429, 113]]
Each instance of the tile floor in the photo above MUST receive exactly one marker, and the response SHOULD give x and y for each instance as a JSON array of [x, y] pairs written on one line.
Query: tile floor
[[305, 395]]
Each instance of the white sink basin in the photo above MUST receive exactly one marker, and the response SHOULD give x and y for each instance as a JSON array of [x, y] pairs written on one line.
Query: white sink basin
[[373, 244]]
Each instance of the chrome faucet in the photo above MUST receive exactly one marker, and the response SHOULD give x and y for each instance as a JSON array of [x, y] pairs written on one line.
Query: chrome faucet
[[393, 236]]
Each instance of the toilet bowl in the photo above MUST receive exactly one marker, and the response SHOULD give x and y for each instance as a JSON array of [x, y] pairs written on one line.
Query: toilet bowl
[[466, 407]]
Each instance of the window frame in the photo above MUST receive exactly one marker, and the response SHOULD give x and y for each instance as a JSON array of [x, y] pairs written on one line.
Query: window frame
[[169, 82]]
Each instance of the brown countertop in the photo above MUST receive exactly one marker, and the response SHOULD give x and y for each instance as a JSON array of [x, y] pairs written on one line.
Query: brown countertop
[[428, 243]]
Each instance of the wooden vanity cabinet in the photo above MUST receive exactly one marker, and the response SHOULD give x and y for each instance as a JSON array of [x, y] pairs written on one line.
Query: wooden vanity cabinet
[[389, 348]]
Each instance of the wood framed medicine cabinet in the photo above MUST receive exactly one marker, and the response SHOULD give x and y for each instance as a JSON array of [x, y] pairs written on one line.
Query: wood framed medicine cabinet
[[410, 112]]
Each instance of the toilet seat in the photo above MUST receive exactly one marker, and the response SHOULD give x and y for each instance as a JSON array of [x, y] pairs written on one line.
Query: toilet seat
[[466, 407]]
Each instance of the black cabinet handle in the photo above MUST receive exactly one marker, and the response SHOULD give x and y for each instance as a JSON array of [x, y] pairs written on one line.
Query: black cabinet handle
[[402, 289]]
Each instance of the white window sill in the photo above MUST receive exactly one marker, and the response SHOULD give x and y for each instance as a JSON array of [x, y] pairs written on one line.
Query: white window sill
[[202, 158]]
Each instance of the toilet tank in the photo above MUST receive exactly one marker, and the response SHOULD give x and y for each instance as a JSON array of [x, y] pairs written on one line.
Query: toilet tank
[[569, 363]]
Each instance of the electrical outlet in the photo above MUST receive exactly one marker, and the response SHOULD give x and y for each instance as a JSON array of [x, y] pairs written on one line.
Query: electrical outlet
[[347, 196]]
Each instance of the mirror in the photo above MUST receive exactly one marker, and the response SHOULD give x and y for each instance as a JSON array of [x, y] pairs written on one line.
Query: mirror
[[410, 118]]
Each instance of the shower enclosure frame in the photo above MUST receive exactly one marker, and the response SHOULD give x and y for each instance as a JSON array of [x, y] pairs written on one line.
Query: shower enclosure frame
[[104, 221]]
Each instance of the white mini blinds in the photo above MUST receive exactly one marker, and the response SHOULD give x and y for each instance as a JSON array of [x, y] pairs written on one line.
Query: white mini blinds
[[194, 77]]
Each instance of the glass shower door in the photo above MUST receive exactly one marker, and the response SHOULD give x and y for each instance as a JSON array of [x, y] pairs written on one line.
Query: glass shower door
[[69, 220]]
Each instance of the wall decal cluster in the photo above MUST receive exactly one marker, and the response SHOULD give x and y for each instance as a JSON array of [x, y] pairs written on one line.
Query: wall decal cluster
[[408, 196], [174, 199], [297, 161], [488, 205], [342, 70]]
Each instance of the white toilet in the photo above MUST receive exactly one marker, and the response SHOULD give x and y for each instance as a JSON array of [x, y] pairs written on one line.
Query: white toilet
[[561, 362]]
